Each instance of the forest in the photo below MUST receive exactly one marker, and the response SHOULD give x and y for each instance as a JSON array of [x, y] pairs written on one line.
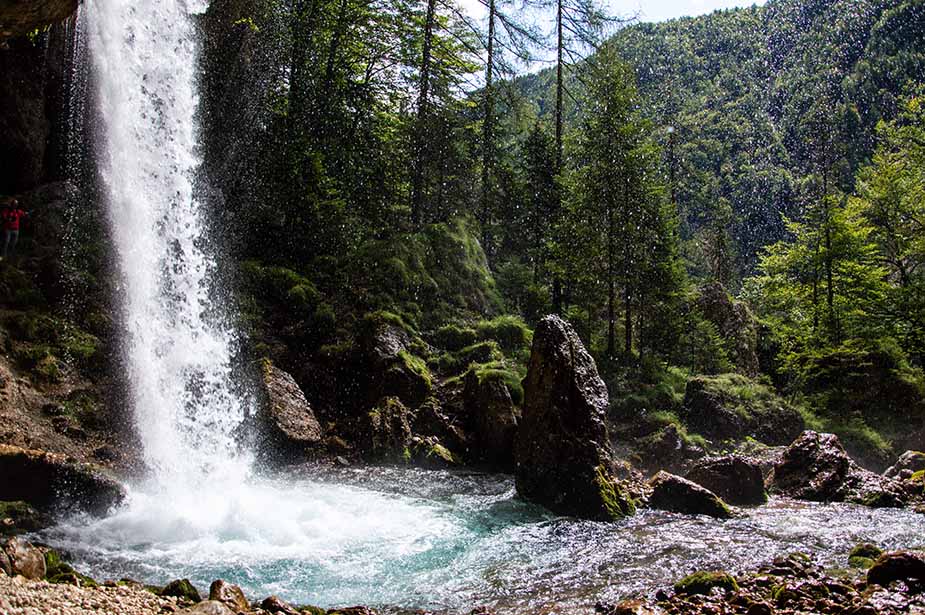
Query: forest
[[761, 153], [551, 310]]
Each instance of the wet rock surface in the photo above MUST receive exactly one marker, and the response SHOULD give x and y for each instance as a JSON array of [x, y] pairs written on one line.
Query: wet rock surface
[[22, 558], [494, 417], [734, 478], [562, 455], [675, 494], [817, 468], [288, 418]]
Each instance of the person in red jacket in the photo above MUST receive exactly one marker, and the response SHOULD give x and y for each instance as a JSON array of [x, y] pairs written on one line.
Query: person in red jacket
[[11, 214]]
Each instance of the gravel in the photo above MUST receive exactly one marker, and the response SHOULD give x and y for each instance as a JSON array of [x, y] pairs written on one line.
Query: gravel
[[19, 596]]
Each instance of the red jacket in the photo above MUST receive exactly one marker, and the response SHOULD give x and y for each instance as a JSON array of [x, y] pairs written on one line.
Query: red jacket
[[11, 217]]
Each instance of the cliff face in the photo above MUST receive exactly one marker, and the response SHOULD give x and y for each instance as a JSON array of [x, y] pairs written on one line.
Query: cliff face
[[33, 91], [20, 17]]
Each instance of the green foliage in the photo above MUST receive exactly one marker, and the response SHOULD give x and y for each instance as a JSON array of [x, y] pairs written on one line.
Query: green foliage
[[499, 371], [510, 332], [459, 361], [453, 337]]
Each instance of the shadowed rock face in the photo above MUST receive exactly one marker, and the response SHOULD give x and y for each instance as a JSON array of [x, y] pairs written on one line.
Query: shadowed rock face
[[562, 454], [20, 17], [46, 480], [736, 479]]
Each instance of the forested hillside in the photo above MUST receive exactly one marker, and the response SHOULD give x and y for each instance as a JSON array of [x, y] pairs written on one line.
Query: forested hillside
[[754, 96]]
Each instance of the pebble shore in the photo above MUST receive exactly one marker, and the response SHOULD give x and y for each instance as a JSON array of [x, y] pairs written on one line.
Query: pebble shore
[[19, 596]]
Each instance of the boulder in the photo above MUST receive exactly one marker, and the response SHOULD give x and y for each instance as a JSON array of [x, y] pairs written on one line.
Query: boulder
[[817, 468], [666, 449], [431, 420], [276, 605], [910, 461], [229, 594], [20, 17], [288, 418], [732, 407], [562, 449], [208, 607], [182, 588], [493, 416], [48, 480], [676, 494], [385, 431], [23, 559], [897, 566], [391, 365], [735, 478]]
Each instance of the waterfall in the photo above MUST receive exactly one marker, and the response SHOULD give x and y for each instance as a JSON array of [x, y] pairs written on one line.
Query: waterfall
[[178, 346]]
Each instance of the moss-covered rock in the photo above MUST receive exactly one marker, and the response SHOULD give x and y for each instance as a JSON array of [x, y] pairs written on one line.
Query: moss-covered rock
[[183, 589], [20, 518], [703, 582], [864, 555]]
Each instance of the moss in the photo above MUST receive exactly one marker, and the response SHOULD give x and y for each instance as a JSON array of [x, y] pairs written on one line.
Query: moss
[[616, 503], [500, 371], [459, 361], [453, 337], [417, 366], [703, 582], [511, 332], [181, 588], [441, 452]]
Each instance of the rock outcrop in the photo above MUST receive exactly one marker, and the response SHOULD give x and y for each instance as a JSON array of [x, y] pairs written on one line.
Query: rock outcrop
[[20, 17], [676, 494], [561, 452], [731, 407], [898, 566], [736, 479], [385, 431], [817, 468], [493, 417], [288, 419], [908, 464], [48, 481]]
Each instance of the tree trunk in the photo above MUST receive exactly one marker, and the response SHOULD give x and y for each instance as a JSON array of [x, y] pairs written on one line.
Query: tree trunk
[[560, 99], [488, 132], [419, 139]]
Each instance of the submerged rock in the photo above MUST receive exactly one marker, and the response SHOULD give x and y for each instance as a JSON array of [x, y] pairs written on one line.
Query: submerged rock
[[287, 416], [47, 480], [21, 558], [675, 494], [817, 468], [561, 452], [735, 478]]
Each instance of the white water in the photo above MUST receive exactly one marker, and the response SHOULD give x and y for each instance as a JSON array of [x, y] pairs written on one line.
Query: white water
[[178, 350]]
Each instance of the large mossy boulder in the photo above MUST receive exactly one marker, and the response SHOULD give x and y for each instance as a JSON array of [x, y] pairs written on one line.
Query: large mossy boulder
[[735, 478], [676, 494], [561, 451], [49, 481], [493, 416], [390, 362], [817, 468], [731, 407], [287, 418]]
